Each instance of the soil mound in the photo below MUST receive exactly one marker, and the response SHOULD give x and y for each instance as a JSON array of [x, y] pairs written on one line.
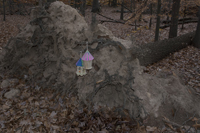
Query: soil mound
[[47, 51]]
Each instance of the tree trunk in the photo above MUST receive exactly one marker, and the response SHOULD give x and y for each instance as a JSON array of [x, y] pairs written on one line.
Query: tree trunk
[[4, 11], [169, 6], [158, 20], [131, 5], [95, 6], [174, 19], [19, 7], [151, 12], [134, 8], [153, 52], [82, 8], [122, 10], [10, 7], [114, 3], [196, 40], [76, 4], [184, 15]]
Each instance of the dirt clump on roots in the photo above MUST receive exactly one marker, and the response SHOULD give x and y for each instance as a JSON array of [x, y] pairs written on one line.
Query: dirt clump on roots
[[47, 50]]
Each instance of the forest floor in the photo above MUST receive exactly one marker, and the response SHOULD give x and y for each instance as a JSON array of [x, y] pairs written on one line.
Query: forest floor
[[18, 114]]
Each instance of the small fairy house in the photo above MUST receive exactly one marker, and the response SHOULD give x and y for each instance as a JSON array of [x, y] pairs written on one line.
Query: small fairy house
[[80, 69], [87, 60]]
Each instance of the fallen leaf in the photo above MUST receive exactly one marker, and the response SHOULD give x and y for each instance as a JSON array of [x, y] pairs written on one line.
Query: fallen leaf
[[150, 129]]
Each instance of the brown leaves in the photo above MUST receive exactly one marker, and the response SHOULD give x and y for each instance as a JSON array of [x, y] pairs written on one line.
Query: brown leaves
[[36, 111], [9, 28], [186, 62]]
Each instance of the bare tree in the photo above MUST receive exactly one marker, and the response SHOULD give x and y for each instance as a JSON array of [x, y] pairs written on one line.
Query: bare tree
[[122, 10], [4, 11], [196, 39], [174, 19], [134, 8], [95, 6], [82, 8], [10, 7], [158, 20], [169, 10], [151, 12]]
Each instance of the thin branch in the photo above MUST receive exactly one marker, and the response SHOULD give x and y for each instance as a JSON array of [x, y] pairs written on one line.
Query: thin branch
[[126, 8], [189, 119], [102, 21], [113, 20]]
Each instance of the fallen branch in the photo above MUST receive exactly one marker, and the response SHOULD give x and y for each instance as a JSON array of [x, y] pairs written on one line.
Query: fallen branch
[[126, 8], [172, 123], [186, 22], [113, 20], [102, 21], [107, 17]]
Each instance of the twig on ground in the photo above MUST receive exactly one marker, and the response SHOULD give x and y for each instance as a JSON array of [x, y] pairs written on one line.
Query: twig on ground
[[172, 123], [188, 129], [189, 119]]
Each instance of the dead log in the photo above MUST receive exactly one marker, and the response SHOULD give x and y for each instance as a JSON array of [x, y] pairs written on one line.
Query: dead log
[[185, 22], [153, 52]]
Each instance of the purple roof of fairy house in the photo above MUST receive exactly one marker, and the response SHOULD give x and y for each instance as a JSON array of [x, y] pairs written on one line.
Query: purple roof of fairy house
[[87, 56]]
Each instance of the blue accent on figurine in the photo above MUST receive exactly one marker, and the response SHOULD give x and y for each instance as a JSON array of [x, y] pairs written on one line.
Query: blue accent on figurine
[[79, 62]]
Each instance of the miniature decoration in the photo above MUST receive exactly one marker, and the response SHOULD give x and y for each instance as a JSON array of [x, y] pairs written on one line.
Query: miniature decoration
[[80, 69], [87, 59]]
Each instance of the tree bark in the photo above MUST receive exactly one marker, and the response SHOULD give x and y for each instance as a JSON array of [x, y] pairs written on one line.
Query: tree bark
[[10, 7], [4, 11], [151, 12], [19, 7], [77, 4], [153, 52], [158, 20], [184, 15], [134, 8], [174, 19], [131, 5], [95, 6], [196, 40], [122, 10], [82, 8], [169, 6]]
